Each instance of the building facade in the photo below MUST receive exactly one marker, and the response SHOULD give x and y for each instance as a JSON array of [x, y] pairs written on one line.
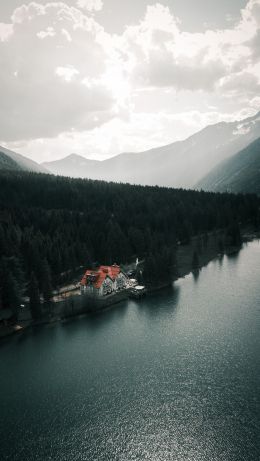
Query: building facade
[[103, 280]]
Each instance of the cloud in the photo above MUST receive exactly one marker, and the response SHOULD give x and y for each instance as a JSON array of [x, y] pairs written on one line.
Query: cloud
[[196, 73], [240, 84], [6, 31], [90, 5], [66, 72], [49, 32], [251, 14], [44, 62], [162, 55], [254, 45]]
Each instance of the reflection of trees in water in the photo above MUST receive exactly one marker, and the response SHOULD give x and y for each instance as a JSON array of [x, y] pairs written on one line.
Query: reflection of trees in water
[[195, 274], [164, 301], [234, 256], [220, 259], [95, 319]]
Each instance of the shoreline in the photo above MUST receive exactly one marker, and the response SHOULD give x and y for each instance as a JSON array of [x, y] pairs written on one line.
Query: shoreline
[[101, 305]]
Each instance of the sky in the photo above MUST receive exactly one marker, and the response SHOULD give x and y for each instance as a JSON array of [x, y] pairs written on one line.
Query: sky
[[101, 77]]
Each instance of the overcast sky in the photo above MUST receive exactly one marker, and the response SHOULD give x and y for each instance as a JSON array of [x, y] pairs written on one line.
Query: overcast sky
[[102, 77]]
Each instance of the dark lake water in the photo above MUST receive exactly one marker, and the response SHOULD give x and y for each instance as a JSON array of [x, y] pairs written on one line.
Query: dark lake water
[[175, 376]]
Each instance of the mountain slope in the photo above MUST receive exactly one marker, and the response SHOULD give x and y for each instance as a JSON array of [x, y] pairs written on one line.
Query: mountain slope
[[240, 173], [180, 164], [21, 162], [7, 163]]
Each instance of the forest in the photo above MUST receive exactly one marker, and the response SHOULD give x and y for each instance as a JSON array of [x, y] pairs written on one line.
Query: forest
[[52, 226]]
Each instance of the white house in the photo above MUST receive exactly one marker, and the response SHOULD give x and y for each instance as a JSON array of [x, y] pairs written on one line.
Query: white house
[[104, 280]]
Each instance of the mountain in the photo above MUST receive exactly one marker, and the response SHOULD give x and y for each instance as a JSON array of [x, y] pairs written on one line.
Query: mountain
[[72, 165], [10, 160], [180, 164], [7, 163], [240, 173]]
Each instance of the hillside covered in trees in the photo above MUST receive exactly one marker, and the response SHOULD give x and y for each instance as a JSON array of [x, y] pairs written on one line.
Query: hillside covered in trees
[[240, 173], [50, 226]]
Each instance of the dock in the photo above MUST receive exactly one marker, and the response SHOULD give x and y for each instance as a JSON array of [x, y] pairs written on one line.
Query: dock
[[137, 291]]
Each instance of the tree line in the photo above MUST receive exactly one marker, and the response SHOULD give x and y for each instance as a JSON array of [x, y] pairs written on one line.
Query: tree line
[[50, 227]]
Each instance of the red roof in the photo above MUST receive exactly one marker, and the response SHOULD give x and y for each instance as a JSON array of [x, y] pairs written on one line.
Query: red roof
[[97, 277]]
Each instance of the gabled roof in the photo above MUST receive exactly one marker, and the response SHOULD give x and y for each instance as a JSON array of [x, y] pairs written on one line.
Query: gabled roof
[[97, 277], [112, 271]]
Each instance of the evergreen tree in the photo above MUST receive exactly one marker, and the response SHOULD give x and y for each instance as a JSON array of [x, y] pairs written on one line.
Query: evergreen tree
[[195, 260], [15, 297], [137, 241], [220, 245], [46, 285], [199, 244], [34, 295], [205, 239], [3, 248], [12, 265], [11, 295], [233, 234], [150, 270]]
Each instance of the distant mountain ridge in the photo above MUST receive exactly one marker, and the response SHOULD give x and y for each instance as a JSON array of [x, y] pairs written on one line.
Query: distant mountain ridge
[[196, 162], [10, 160], [240, 173], [72, 166], [180, 164]]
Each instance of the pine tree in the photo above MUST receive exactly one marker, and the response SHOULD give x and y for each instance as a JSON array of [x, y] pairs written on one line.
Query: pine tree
[[11, 295], [12, 284], [221, 245], [3, 248], [150, 270], [195, 260], [205, 239], [15, 297], [46, 282], [34, 295], [233, 234]]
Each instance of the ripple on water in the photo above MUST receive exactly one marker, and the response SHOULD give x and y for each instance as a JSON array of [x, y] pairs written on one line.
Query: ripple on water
[[173, 377]]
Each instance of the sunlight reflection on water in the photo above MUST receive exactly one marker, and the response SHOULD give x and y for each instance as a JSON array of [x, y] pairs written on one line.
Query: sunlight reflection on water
[[172, 377]]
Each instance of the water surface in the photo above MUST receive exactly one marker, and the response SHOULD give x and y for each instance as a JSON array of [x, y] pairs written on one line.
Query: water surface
[[175, 376]]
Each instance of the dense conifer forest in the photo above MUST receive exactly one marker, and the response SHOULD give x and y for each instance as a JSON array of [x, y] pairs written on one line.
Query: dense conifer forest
[[50, 226]]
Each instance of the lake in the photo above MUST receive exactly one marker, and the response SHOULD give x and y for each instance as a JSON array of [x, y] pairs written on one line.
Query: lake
[[174, 376]]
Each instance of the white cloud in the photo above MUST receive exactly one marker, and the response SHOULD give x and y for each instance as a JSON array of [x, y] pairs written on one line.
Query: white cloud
[[67, 73], [244, 84], [90, 5], [162, 55], [6, 31], [49, 32], [51, 50], [251, 14]]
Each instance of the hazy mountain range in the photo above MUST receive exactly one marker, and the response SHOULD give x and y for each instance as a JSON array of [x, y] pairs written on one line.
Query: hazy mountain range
[[180, 164], [196, 162]]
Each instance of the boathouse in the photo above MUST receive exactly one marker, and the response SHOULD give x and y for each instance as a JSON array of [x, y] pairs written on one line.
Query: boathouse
[[104, 280]]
